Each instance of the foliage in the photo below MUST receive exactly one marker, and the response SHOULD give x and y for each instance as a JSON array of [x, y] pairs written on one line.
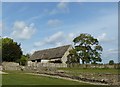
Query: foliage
[[86, 48], [11, 51], [111, 62], [23, 60], [27, 55], [73, 57]]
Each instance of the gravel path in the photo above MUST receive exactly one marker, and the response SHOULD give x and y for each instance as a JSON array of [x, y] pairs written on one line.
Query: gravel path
[[67, 79]]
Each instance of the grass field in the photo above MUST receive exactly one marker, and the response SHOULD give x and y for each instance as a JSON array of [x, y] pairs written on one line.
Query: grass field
[[89, 71], [20, 78]]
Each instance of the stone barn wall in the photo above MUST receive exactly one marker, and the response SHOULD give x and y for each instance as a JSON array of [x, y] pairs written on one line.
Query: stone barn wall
[[47, 64]]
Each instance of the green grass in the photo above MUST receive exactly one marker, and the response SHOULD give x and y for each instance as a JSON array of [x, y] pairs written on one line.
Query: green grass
[[21, 78]]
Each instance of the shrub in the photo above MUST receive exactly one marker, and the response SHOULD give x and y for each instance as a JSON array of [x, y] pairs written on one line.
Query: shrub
[[23, 60], [111, 62]]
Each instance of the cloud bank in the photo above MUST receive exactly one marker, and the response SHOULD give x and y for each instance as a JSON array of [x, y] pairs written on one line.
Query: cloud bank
[[21, 30]]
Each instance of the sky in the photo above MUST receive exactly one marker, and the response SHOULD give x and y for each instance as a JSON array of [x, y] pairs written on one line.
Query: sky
[[43, 25]]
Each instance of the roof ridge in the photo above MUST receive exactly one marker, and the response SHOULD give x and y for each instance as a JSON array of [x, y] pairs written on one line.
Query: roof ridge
[[53, 48]]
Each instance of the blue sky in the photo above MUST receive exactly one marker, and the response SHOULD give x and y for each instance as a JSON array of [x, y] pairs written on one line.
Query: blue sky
[[41, 25]]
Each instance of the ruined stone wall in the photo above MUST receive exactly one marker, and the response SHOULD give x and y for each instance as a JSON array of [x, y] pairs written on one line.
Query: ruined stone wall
[[94, 66], [10, 66]]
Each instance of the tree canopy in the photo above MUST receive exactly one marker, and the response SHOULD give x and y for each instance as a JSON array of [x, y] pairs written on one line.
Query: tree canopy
[[11, 51], [111, 62], [86, 48]]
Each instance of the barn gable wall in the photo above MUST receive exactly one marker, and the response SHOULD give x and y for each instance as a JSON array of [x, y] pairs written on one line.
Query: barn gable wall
[[64, 58]]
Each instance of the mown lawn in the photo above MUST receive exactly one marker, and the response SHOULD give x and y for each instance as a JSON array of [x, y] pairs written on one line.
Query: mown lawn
[[21, 78]]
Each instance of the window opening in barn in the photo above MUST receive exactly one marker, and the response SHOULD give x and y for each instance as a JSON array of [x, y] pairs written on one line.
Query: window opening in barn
[[56, 61], [33, 60], [38, 60]]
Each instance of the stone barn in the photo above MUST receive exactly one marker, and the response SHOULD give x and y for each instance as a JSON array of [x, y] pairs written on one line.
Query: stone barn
[[56, 55]]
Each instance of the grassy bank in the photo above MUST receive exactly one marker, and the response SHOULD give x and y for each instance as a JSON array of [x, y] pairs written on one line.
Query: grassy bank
[[95, 70], [21, 78]]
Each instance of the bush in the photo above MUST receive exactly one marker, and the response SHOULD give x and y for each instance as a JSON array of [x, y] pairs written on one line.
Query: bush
[[23, 60], [111, 62]]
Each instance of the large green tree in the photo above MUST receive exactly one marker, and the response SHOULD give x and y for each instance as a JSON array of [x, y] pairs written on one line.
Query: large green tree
[[11, 51], [86, 48]]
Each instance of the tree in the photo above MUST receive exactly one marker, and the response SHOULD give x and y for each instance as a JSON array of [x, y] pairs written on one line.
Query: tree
[[87, 49], [111, 62], [27, 55], [73, 57], [11, 51], [23, 60]]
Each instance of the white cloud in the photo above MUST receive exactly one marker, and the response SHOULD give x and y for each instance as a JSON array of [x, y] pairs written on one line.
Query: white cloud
[[32, 51], [54, 39], [57, 39], [1, 28], [0, 25], [5, 37], [105, 26], [107, 21], [62, 7], [59, 44], [70, 37], [21, 30], [54, 22], [103, 38], [54, 11], [112, 51], [40, 43], [40, 16]]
